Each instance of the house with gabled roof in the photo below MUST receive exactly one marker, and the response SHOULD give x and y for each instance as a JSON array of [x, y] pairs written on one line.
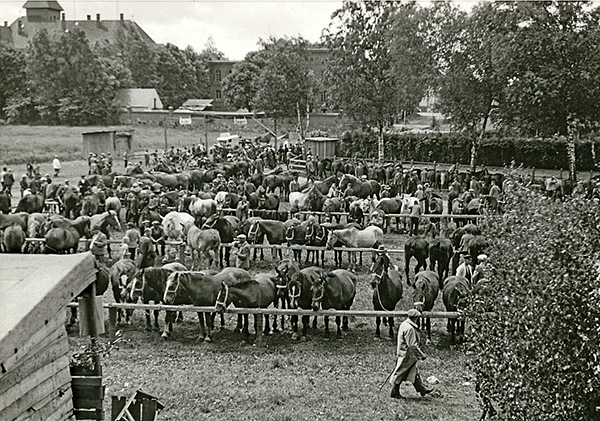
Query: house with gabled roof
[[49, 15], [139, 99]]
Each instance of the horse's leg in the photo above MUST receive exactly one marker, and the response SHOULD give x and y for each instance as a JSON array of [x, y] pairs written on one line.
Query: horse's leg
[[165, 332], [391, 325], [267, 330], [345, 321], [238, 326], [326, 325], [202, 334], [338, 321], [246, 329], [128, 314], [156, 326], [314, 324], [377, 324], [305, 323]]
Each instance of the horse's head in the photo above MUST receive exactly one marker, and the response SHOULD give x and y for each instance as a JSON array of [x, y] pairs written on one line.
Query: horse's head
[[172, 288], [290, 233], [137, 285], [254, 232], [420, 293], [222, 298], [112, 219], [332, 238], [295, 289], [211, 221], [282, 280], [378, 270], [317, 291]]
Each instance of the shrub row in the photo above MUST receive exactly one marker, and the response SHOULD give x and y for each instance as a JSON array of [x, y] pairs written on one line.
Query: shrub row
[[456, 147]]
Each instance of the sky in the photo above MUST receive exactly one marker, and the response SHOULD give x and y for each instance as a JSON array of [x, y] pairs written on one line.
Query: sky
[[235, 26]]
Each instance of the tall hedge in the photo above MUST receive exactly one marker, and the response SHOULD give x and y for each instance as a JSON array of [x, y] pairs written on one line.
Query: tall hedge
[[455, 147], [538, 356]]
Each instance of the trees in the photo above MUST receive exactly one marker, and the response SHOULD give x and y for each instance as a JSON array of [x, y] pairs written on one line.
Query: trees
[[537, 357], [15, 101], [68, 84], [240, 85], [360, 70]]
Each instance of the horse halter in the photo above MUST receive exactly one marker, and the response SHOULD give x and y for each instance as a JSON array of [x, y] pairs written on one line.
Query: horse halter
[[252, 234], [292, 230], [293, 297], [135, 282], [173, 291], [223, 302]]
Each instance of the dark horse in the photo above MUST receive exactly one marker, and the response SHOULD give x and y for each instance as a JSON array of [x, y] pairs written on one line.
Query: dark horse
[[300, 295], [285, 270], [387, 291], [426, 291], [455, 294], [228, 227], [249, 293], [336, 290], [440, 254], [149, 284], [419, 248], [200, 289], [296, 234], [275, 231]]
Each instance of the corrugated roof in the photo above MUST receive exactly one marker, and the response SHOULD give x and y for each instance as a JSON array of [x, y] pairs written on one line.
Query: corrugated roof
[[31, 4]]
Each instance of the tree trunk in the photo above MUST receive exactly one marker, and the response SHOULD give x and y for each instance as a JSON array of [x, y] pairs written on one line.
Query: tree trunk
[[380, 148], [571, 153], [300, 126], [477, 141]]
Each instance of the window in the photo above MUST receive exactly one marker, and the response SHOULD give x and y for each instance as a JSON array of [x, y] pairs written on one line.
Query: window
[[218, 94], [324, 97], [217, 75]]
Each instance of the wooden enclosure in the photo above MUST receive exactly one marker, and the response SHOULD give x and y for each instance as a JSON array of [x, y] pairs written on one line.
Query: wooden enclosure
[[114, 142]]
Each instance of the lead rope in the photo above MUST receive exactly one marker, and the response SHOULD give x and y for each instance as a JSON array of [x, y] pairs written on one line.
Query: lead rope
[[377, 289], [224, 302]]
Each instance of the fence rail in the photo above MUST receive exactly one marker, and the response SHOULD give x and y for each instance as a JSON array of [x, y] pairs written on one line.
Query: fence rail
[[113, 307]]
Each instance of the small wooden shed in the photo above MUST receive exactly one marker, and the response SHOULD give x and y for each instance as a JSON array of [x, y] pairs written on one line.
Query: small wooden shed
[[108, 141], [35, 381], [323, 147]]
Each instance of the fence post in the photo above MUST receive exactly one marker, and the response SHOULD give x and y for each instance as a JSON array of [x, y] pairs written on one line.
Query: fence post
[[112, 323]]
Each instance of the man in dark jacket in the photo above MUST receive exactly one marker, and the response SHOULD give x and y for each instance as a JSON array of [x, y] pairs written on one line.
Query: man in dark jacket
[[146, 254]]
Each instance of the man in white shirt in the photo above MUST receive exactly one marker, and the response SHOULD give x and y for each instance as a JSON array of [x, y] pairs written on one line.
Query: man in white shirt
[[465, 269], [56, 165]]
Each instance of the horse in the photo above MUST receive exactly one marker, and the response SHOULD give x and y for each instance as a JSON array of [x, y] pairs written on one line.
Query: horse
[[336, 290], [121, 274], [300, 296], [13, 239], [427, 287], [370, 237], [205, 242], [390, 205], [316, 236], [325, 185], [201, 209], [90, 204], [149, 284], [63, 239], [269, 201], [387, 291], [272, 181], [275, 231], [174, 222], [440, 254], [112, 203], [258, 292], [455, 294], [333, 204], [5, 203], [285, 270], [311, 200], [296, 234], [419, 249], [31, 203], [362, 189], [35, 229], [200, 289], [228, 227], [71, 202], [14, 218]]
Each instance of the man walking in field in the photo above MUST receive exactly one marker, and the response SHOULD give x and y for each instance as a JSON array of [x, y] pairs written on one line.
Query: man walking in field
[[56, 165], [408, 353]]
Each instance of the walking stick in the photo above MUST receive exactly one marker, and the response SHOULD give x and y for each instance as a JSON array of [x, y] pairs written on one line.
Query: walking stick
[[386, 379]]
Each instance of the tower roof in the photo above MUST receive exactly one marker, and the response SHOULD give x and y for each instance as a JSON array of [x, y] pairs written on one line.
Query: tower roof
[[52, 5]]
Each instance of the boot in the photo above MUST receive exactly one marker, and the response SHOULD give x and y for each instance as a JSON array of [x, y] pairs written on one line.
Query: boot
[[420, 387], [396, 391]]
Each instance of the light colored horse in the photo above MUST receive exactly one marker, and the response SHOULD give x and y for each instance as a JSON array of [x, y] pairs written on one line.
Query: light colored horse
[[370, 237], [220, 199], [205, 242], [202, 208], [174, 223]]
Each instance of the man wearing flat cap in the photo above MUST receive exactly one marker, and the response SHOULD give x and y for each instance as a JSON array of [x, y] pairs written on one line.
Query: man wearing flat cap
[[241, 251], [409, 353]]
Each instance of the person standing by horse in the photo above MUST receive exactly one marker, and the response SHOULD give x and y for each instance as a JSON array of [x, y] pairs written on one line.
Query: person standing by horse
[[146, 254], [465, 269], [382, 254], [408, 353], [415, 215], [158, 238], [98, 245], [241, 251], [8, 180], [134, 238]]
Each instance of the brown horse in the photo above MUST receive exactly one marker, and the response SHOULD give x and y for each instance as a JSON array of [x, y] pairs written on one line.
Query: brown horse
[[13, 239], [455, 294], [258, 292], [419, 249], [426, 291], [300, 296], [201, 289], [440, 254], [121, 274], [334, 290], [285, 270], [387, 291], [275, 231]]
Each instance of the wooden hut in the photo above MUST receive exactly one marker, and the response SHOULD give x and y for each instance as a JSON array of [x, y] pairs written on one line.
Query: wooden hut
[[35, 381], [108, 141], [323, 147]]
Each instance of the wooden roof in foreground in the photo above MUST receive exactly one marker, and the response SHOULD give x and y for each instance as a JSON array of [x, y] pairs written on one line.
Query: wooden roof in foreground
[[34, 289]]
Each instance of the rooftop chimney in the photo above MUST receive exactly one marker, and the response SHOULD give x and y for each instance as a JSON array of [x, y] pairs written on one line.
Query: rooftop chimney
[[19, 27], [97, 20], [89, 17], [63, 16], [5, 23], [121, 17], [63, 22]]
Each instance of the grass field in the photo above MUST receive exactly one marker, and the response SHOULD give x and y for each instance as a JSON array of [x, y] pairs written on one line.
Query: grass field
[[319, 378]]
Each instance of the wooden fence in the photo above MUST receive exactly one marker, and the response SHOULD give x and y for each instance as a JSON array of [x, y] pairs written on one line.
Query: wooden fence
[[113, 307]]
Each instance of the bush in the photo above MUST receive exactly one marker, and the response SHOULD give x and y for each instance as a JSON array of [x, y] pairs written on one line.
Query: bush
[[495, 150], [538, 356]]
